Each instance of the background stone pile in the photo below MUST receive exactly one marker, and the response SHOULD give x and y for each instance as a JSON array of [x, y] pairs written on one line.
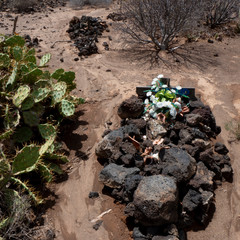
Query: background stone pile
[[172, 188], [85, 32]]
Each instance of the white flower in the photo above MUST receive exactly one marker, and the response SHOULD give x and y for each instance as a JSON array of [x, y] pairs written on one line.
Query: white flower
[[155, 155], [178, 88], [159, 104], [164, 86], [151, 112], [179, 99], [144, 137], [178, 104], [173, 112], [160, 76], [154, 81], [146, 102], [154, 115], [157, 89], [152, 98], [173, 91], [149, 94], [153, 87]]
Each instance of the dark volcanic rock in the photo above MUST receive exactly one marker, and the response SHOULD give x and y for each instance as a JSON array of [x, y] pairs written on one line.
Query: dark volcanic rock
[[155, 129], [111, 142], [220, 148], [193, 119], [185, 136], [156, 201], [114, 175], [191, 201], [178, 163], [131, 108], [203, 178]]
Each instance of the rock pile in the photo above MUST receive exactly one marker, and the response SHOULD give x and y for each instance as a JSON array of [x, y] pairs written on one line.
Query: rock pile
[[165, 174], [85, 32]]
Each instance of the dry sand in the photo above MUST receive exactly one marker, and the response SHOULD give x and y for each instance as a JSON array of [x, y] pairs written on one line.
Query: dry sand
[[215, 78]]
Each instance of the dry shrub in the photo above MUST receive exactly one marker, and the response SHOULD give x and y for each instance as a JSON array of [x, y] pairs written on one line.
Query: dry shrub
[[80, 3], [158, 22]]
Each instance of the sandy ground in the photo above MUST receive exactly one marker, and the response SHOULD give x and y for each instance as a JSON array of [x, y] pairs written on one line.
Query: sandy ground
[[104, 80]]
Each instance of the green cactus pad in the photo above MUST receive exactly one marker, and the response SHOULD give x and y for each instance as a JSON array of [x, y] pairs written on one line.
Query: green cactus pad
[[12, 78], [42, 83], [54, 167], [45, 59], [4, 60], [46, 145], [26, 160], [27, 104], [23, 134], [56, 157], [31, 118], [21, 95], [47, 130], [17, 53], [59, 90], [15, 41], [68, 78], [40, 94], [4, 167], [67, 108], [6, 134], [38, 109], [45, 172], [32, 76], [57, 74], [12, 119]]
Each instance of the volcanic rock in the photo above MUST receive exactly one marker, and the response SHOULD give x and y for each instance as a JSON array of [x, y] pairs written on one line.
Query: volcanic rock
[[155, 129], [193, 119], [114, 175], [203, 178], [110, 143], [178, 163], [220, 148], [156, 200], [131, 108]]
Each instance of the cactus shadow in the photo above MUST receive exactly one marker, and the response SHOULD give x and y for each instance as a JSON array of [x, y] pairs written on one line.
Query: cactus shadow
[[71, 133]]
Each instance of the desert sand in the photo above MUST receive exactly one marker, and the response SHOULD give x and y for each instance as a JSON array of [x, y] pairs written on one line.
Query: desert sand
[[104, 80]]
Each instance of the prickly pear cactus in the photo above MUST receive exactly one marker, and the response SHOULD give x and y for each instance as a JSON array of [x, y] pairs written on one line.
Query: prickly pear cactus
[[67, 108], [21, 95], [33, 102], [26, 160], [59, 90]]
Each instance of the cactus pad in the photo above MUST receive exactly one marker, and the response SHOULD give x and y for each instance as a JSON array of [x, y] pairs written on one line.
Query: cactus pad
[[45, 172], [17, 53], [47, 130], [46, 145], [59, 90], [67, 108], [21, 95], [23, 134], [27, 104], [4, 60], [31, 118], [45, 59], [40, 93], [57, 74], [26, 160]]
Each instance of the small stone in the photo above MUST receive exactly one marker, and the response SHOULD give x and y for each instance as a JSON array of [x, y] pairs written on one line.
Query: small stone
[[97, 225], [155, 129], [76, 59], [210, 41], [61, 60], [93, 195]]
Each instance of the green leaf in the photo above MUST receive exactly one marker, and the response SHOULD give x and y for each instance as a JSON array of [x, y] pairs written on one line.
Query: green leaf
[[30, 59], [4, 60], [59, 90], [57, 74], [15, 41], [45, 59], [26, 160], [17, 53], [31, 52]]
